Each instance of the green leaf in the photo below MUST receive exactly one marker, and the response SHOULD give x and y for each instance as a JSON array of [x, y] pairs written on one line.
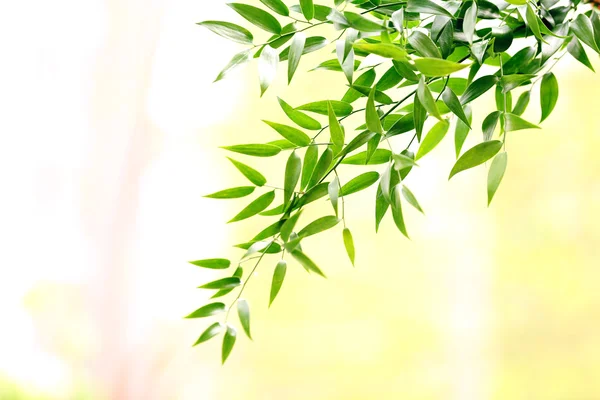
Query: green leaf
[[489, 124], [319, 225], [381, 207], [239, 271], [208, 310], [345, 55], [358, 141], [434, 136], [229, 31], [210, 332], [278, 277], [583, 29], [258, 17], [397, 211], [454, 105], [361, 23], [359, 183], [495, 175], [267, 67], [419, 117], [255, 150], [514, 123], [340, 108], [253, 175], [273, 211], [310, 161], [390, 79], [379, 96], [462, 130], [292, 134], [296, 49], [402, 161], [476, 155], [322, 167], [228, 342], [335, 130], [400, 125], [427, 7], [298, 117], [427, 100], [533, 22], [412, 200], [437, 67], [548, 94], [424, 45], [236, 61], [233, 193], [517, 62], [366, 79], [258, 205], [522, 103], [398, 19], [380, 156], [517, 2], [405, 70], [477, 88], [469, 22], [502, 98], [313, 43], [308, 9], [334, 193], [266, 247], [283, 144], [578, 52], [372, 118], [278, 6], [503, 38], [386, 50], [288, 226], [510, 82], [244, 314], [269, 231], [307, 263], [293, 169], [349, 244], [225, 283], [212, 263]]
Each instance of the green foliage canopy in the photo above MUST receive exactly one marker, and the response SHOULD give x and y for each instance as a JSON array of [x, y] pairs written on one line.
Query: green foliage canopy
[[438, 57]]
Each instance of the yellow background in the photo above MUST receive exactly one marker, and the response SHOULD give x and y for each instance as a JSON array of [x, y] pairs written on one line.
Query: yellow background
[[111, 128]]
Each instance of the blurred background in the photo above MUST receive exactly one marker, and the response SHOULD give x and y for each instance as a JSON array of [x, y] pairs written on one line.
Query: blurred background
[[110, 130]]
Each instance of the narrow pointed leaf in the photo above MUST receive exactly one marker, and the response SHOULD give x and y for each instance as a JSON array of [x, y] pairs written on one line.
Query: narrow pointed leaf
[[296, 49], [359, 183], [397, 210], [437, 67], [310, 161], [278, 6], [433, 138], [278, 277], [548, 94], [210, 333], [476, 156], [237, 60], [522, 103], [462, 130], [424, 45], [514, 123], [335, 130], [233, 193], [319, 225], [361, 23], [307, 263], [321, 168], [427, 7], [258, 17], [372, 118], [292, 134], [454, 105], [258, 205], [349, 244], [469, 22], [340, 108], [410, 197], [208, 310], [212, 263], [293, 169], [253, 175], [225, 283], [267, 67], [495, 175], [427, 100], [229, 31], [386, 50], [334, 193], [228, 343], [477, 88], [255, 150], [299, 118], [308, 9], [244, 314]]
